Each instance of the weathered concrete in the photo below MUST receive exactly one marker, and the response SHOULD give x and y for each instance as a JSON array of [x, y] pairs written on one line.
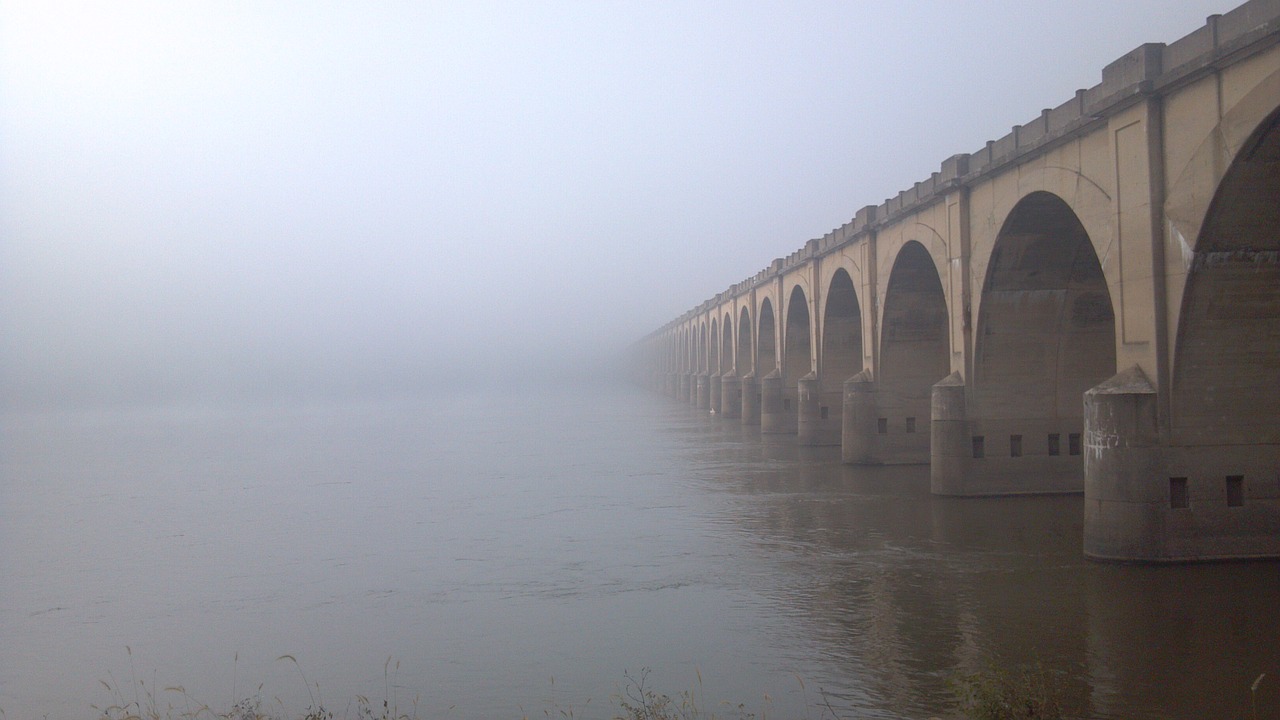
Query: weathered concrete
[[1133, 226], [750, 414], [814, 422], [730, 397], [858, 444], [776, 414], [702, 399]]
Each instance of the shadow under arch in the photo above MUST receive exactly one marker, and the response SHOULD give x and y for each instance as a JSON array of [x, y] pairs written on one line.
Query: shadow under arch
[[745, 363], [840, 359], [1045, 335], [779, 404], [1227, 352], [914, 350]]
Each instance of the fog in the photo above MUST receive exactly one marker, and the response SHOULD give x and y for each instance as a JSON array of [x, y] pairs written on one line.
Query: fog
[[201, 201]]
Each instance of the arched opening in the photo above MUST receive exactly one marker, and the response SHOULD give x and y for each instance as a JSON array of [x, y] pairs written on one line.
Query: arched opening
[[713, 347], [841, 333], [797, 362], [766, 346], [700, 350], [744, 359], [726, 345], [1228, 345], [1046, 331], [913, 355]]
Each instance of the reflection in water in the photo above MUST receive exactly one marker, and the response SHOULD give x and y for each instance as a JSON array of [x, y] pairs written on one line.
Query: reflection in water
[[904, 591], [490, 542]]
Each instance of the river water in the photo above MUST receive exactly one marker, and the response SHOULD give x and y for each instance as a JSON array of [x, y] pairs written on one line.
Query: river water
[[525, 551]]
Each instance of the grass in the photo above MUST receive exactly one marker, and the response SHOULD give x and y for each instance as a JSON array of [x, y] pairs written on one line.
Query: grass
[[1027, 693], [637, 699], [1024, 693]]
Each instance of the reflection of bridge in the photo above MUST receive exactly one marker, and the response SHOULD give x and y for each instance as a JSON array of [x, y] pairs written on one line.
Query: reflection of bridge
[[1123, 247]]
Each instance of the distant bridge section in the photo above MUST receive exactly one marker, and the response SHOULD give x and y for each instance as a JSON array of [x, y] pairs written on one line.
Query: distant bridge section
[[1090, 303]]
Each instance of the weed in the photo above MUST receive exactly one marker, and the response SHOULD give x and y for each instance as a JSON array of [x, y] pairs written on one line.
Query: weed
[[1022, 694]]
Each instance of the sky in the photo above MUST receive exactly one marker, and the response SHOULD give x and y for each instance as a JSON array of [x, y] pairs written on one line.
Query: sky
[[258, 199]]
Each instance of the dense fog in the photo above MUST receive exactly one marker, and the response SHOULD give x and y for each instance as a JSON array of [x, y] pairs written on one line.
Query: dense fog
[[226, 200]]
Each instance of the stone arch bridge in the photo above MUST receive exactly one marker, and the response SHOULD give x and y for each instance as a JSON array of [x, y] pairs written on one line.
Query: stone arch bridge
[[1090, 303]]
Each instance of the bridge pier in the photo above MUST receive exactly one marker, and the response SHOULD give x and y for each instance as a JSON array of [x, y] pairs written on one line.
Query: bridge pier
[[999, 456], [715, 394], [683, 392], [776, 417], [1152, 501], [858, 421], [815, 426], [751, 393], [702, 399], [730, 397]]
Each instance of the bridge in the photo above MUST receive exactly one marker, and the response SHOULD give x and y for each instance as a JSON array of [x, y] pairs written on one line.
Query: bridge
[[1090, 303]]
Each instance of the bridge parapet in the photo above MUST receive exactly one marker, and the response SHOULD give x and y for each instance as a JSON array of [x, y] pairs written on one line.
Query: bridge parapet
[[1148, 68]]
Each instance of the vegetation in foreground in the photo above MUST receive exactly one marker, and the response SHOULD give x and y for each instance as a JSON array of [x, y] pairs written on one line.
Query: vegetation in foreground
[[1028, 693]]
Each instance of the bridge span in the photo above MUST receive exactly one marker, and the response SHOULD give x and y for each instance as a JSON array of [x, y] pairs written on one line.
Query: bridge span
[[1089, 304]]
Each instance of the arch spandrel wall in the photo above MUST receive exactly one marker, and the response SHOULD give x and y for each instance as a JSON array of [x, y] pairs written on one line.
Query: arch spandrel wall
[[1081, 173], [1202, 139], [799, 277], [767, 347], [848, 260], [926, 228]]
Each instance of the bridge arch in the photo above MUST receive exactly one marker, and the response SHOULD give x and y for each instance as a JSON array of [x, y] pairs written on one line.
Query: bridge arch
[[1224, 372], [779, 389], [1046, 325], [797, 358], [744, 357], [766, 339], [914, 353], [702, 347], [841, 354], [713, 348], [727, 360]]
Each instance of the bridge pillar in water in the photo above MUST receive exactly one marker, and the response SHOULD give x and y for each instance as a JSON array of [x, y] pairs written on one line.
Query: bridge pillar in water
[[815, 426], [702, 397], [715, 394], [730, 397], [975, 456], [775, 416], [950, 445], [1151, 501], [750, 399], [683, 391], [858, 441]]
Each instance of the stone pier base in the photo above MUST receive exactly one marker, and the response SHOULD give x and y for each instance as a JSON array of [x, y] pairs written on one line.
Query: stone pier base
[[1003, 456], [1150, 501], [819, 418], [715, 394], [730, 397], [858, 426], [775, 417], [702, 396], [750, 399]]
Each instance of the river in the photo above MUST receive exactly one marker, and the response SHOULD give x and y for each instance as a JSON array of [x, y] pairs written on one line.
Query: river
[[502, 553]]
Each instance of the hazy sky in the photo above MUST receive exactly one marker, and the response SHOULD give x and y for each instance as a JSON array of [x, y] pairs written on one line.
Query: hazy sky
[[222, 198]]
